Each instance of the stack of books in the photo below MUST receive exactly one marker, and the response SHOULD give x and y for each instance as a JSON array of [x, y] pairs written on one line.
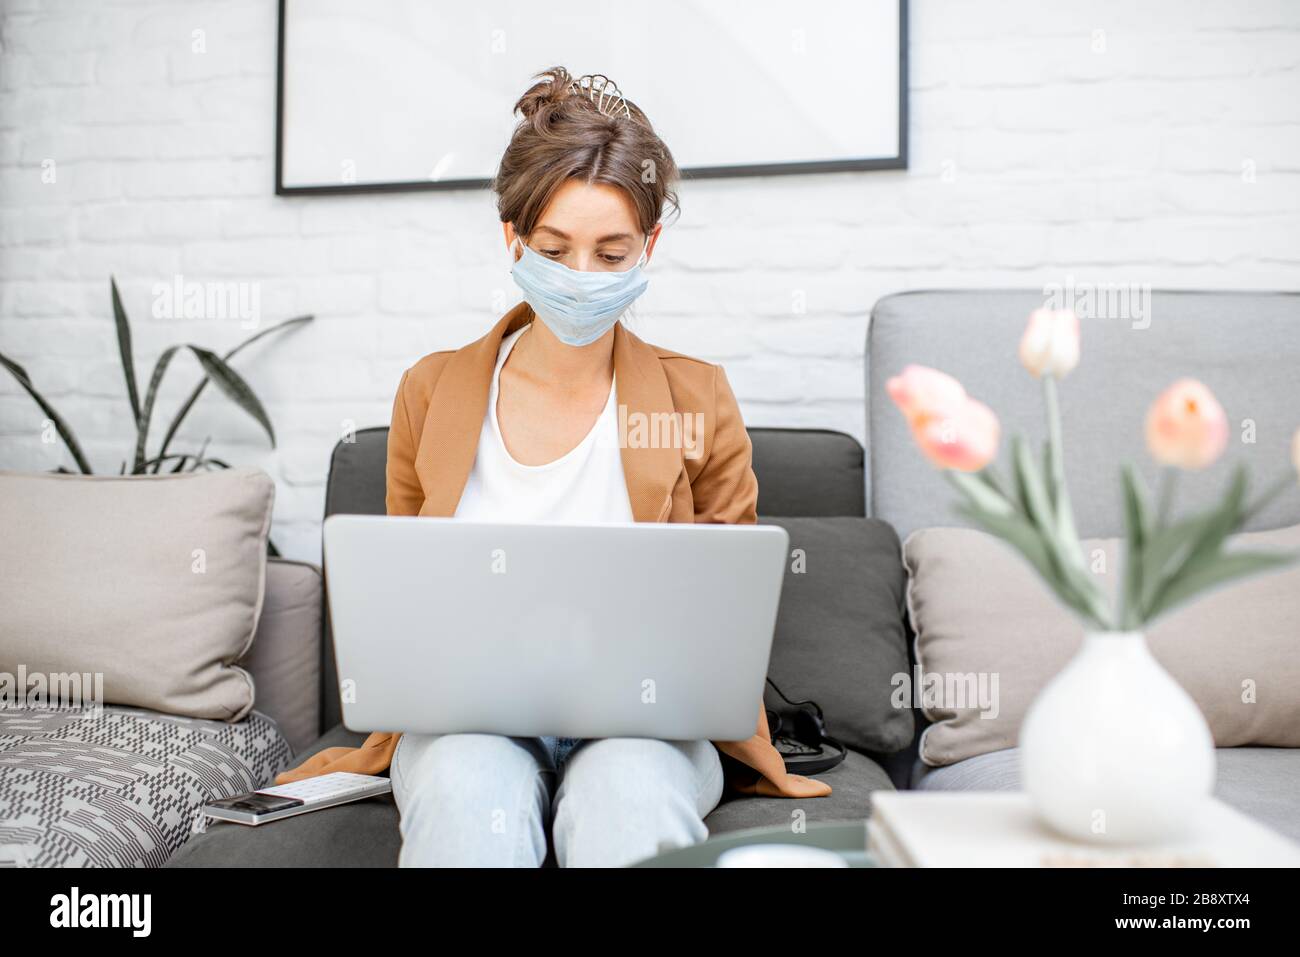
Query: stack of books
[[1000, 829]]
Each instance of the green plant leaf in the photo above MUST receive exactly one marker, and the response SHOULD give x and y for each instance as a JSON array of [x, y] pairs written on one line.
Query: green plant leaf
[[183, 459], [198, 389], [1022, 536], [1058, 493], [1165, 547], [1061, 546], [60, 426], [198, 458], [233, 385], [1062, 524], [1137, 521], [1017, 533], [980, 492], [1180, 549], [1071, 547], [124, 349], [1137, 510], [1047, 462], [146, 410], [989, 477], [1029, 486], [1214, 572], [227, 380], [1035, 500]]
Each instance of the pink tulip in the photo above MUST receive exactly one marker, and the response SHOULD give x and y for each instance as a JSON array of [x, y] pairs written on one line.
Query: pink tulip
[[966, 441], [924, 393], [1186, 427], [952, 430], [1050, 345]]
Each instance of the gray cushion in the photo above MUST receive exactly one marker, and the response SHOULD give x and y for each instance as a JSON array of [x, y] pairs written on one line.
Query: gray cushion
[[1244, 345], [1260, 782], [356, 486], [356, 478], [360, 834], [808, 472], [850, 800], [285, 658], [840, 636]]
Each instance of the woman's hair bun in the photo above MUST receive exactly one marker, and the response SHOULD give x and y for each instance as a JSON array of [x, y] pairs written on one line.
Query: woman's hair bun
[[558, 90], [539, 103], [552, 89], [581, 128]]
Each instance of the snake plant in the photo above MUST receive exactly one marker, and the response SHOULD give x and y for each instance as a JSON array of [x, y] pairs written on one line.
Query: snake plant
[[216, 369]]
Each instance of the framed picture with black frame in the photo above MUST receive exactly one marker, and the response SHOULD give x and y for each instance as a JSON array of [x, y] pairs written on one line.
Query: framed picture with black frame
[[391, 95]]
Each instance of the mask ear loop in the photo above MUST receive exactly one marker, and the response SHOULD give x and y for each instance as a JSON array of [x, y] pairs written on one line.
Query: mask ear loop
[[642, 260]]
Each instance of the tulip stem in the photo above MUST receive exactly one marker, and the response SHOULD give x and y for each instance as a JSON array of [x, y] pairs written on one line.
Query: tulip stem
[[1054, 434], [1168, 479], [1063, 513], [1062, 538]]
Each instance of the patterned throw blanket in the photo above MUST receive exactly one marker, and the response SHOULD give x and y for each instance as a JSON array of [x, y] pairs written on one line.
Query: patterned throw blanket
[[120, 787]]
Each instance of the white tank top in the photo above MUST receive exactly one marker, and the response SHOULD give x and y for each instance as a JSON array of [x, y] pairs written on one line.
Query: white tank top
[[586, 484]]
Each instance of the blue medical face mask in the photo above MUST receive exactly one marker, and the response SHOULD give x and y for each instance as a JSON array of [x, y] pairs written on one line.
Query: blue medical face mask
[[579, 307]]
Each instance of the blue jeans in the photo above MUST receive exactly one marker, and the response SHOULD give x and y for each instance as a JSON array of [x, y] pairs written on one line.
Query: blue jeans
[[488, 800]]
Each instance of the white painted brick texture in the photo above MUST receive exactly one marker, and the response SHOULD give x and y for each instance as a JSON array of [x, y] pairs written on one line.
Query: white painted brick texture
[[1111, 141]]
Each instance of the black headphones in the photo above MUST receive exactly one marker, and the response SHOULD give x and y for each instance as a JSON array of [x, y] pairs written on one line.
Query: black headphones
[[801, 747]]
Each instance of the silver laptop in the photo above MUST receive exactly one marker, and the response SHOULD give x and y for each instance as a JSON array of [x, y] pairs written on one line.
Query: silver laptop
[[586, 631]]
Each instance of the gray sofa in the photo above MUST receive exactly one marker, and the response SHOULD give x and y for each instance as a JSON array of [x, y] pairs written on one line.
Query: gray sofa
[[812, 480], [1245, 345]]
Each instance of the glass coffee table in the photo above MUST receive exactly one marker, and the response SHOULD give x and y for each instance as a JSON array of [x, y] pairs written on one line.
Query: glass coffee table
[[847, 840]]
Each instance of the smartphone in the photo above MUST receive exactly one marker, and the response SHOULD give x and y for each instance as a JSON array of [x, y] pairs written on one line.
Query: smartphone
[[252, 808]]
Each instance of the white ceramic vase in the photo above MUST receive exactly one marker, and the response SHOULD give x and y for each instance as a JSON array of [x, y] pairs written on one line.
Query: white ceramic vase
[[1113, 750]]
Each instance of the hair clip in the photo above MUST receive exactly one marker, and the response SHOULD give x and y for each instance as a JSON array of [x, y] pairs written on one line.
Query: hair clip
[[603, 92]]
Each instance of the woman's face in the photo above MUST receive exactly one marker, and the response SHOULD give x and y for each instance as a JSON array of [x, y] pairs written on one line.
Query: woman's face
[[589, 227]]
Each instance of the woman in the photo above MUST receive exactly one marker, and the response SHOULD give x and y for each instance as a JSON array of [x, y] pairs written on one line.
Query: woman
[[531, 423]]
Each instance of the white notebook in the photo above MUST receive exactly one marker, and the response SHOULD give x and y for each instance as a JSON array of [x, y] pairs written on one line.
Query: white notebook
[[1000, 829], [315, 793]]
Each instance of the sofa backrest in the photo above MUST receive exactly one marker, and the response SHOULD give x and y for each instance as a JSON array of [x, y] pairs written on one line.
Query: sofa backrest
[[1244, 345], [356, 484], [801, 473]]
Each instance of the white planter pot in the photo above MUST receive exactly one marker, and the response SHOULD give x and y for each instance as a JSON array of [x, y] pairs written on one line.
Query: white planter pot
[[1113, 750]]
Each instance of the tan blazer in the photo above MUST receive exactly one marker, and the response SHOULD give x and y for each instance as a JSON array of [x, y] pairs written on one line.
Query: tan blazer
[[438, 414]]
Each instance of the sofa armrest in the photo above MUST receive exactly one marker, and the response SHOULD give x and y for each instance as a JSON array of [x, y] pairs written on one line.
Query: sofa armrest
[[285, 657]]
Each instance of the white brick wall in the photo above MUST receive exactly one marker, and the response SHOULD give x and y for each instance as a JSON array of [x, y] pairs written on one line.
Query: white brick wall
[[1110, 141]]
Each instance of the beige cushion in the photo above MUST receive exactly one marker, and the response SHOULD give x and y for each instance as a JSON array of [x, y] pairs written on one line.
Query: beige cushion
[[977, 608], [154, 581], [285, 658]]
